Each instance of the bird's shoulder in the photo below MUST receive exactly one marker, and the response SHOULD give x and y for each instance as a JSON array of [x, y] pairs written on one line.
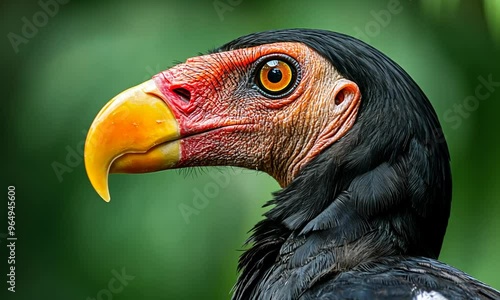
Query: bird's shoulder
[[401, 278]]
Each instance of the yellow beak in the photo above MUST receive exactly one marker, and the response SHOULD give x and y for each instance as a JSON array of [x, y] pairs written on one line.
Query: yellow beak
[[135, 132]]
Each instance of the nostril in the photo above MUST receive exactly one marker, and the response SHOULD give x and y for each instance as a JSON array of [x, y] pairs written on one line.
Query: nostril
[[183, 93]]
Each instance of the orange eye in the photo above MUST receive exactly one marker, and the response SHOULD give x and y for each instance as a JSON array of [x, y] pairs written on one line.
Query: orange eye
[[276, 77]]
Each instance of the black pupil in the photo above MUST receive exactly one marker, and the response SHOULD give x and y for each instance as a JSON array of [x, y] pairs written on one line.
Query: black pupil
[[274, 75]]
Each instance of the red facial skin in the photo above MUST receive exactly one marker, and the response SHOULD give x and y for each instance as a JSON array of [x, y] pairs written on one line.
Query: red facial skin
[[228, 121]]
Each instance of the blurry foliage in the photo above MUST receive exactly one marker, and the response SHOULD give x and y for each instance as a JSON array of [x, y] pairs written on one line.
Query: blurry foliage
[[71, 241]]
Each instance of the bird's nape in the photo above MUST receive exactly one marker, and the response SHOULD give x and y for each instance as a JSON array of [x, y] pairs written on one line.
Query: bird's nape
[[346, 132]]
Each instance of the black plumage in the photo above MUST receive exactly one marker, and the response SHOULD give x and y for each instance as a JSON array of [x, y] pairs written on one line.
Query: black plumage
[[366, 218]]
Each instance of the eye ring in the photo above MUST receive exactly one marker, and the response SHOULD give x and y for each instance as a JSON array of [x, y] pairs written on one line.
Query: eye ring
[[276, 76]]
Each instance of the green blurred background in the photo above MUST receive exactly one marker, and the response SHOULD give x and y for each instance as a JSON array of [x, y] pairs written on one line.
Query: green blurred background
[[70, 241]]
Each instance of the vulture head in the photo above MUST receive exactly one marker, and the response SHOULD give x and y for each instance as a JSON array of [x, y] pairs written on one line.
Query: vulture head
[[353, 141]]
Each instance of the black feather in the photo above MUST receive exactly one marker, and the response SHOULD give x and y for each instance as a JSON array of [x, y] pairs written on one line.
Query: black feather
[[358, 219]]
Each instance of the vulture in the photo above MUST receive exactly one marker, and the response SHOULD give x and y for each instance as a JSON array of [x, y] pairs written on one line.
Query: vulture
[[352, 140]]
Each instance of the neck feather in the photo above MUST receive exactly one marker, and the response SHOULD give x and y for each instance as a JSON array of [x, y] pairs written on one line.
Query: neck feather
[[339, 213]]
